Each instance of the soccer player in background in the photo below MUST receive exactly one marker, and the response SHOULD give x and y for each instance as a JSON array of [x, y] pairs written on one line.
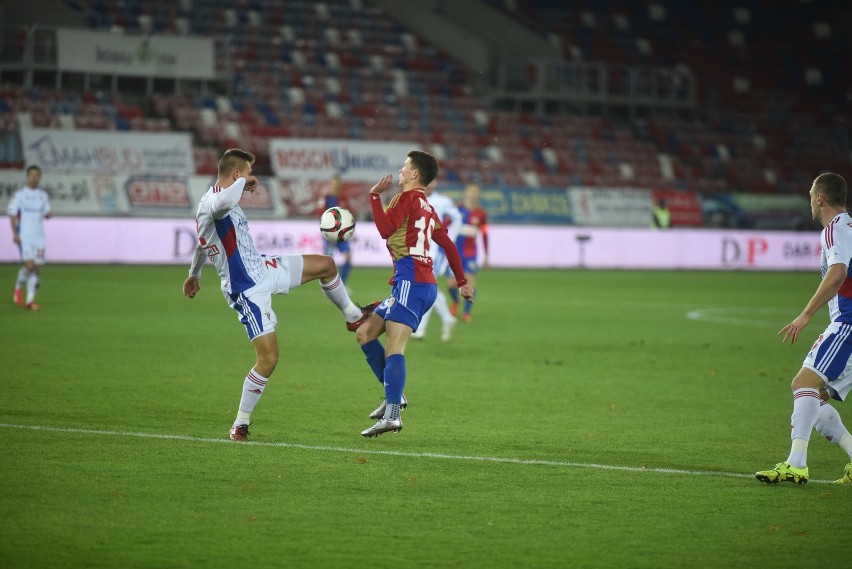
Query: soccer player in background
[[451, 218], [827, 369], [474, 223], [249, 279], [408, 225], [332, 199], [27, 210]]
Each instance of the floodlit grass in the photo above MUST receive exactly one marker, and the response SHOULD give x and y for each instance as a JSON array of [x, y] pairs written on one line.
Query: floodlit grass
[[560, 376]]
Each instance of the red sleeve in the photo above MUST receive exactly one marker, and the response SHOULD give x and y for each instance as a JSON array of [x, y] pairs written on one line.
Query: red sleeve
[[388, 221], [441, 237], [383, 222]]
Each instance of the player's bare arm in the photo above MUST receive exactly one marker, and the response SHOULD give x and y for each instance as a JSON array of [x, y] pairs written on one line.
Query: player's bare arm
[[827, 289], [382, 185]]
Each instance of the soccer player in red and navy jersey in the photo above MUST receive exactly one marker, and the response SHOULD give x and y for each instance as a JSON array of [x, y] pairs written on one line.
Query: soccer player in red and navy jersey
[[408, 225], [474, 224]]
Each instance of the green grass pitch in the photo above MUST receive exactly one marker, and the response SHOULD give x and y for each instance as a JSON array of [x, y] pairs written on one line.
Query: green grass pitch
[[583, 419]]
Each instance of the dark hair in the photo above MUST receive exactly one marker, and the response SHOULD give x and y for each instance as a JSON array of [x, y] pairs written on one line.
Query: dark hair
[[33, 167], [833, 187], [231, 160], [426, 164]]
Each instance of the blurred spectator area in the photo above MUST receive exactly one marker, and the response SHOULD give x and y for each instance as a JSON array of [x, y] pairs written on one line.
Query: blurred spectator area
[[772, 99]]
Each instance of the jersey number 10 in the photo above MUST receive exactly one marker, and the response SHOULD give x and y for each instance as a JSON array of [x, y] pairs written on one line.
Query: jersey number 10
[[424, 234]]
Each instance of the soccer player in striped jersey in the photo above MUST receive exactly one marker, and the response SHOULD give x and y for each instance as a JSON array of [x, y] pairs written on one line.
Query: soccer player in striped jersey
[[249, 279], [27, 210], [827, 369], [474, 224], [450, 215], [409, 225]]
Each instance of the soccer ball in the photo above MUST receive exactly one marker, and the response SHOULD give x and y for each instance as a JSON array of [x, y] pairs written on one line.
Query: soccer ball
[[337, 224]]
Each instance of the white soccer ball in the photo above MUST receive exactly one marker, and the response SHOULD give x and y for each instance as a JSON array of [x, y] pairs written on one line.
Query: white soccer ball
[[337, 224]]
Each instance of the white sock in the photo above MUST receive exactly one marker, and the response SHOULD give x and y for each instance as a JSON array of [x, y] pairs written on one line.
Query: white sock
[[442, 308], [805, 412], [336, 293], [32, 286], [392, 411], [845, 443], [23, 274], [253, 387], [831, 427]]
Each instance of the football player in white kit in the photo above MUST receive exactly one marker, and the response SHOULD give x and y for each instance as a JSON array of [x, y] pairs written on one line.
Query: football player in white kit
[[446, 209], [249, 279], [29, 207], [827, 369]]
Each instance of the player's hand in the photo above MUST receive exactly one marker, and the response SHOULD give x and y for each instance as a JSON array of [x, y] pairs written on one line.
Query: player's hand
[[191, 286], [793, 329], [16, 239], [382, 184], [467, 292], [251, 184]]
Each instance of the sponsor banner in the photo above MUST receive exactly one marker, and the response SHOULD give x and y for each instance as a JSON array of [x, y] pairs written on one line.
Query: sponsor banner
[[263, 201], [771, 202], [145, 56], [519, 205], [611, 207], [107, 152], [171, 196], [319, 159], [306, 198], [167, 192], [684, 206], [111, 240], [71, 194]]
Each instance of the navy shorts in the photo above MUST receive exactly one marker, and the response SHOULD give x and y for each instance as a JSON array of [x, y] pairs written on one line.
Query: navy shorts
[[408, 302]]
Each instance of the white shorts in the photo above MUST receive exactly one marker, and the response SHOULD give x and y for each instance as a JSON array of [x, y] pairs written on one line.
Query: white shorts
[[831, 359], [32, 251], [254, 305]]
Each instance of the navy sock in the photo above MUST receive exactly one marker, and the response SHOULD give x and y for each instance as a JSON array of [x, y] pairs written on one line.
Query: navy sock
[[467, 306], [344, 271], [375, 353], [394, 378]]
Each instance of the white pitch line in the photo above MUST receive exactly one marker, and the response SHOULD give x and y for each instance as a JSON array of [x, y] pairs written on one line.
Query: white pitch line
[[740, 316], [435, 455]]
